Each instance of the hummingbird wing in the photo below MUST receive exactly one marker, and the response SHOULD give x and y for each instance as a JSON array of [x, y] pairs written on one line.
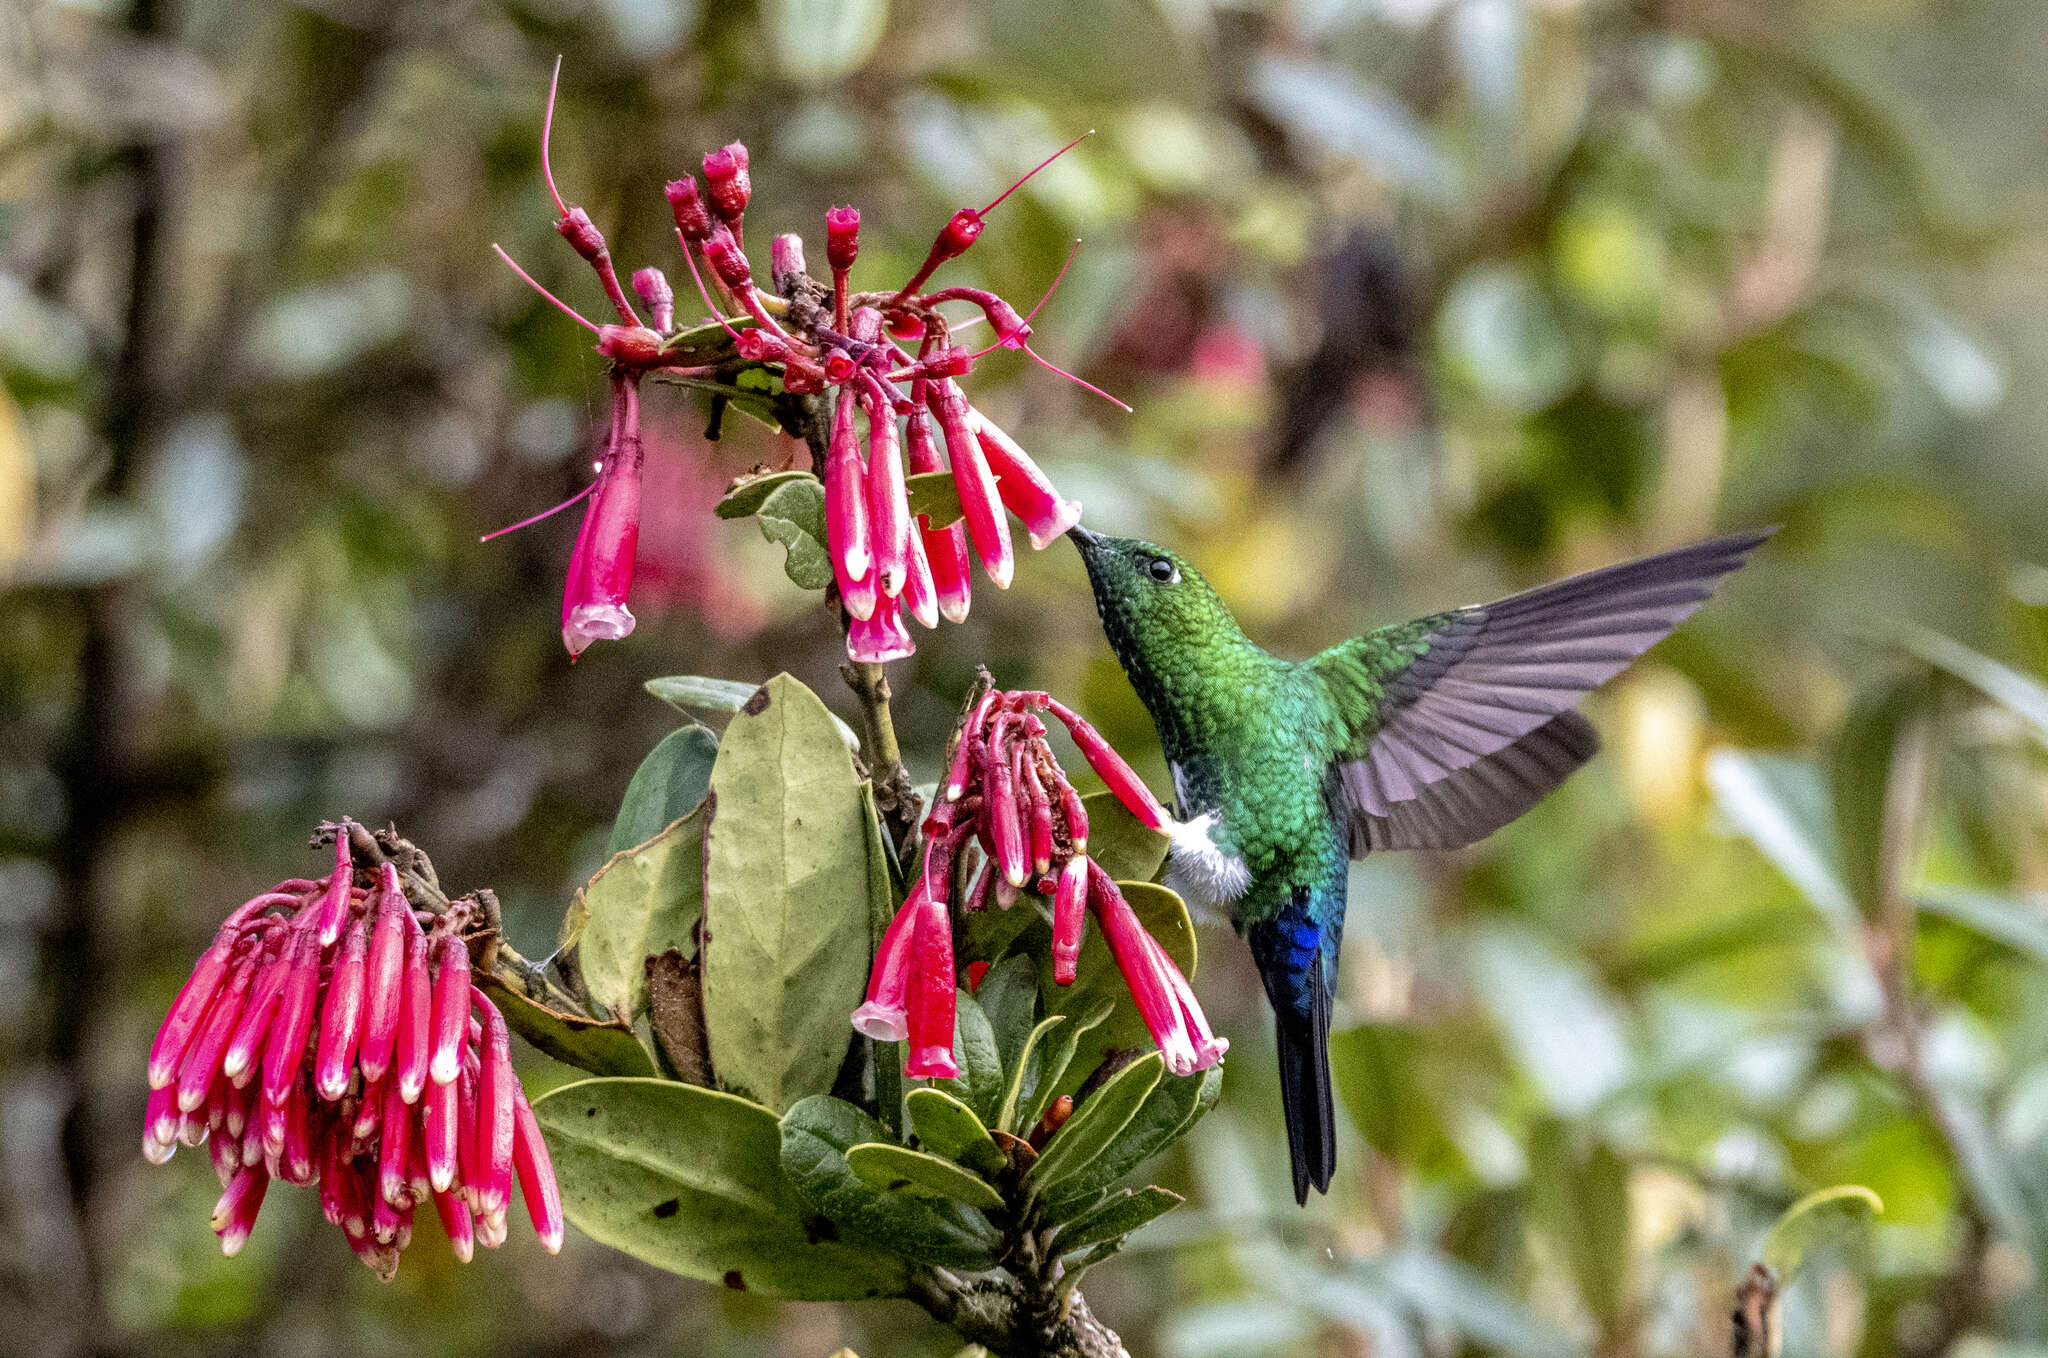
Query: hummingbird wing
[[1462, 721]]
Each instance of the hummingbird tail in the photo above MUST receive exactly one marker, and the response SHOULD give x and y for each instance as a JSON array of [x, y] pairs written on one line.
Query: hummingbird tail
[[1304, 1039]]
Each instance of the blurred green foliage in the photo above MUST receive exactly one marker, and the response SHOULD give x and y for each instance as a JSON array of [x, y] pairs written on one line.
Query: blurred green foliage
[[1418, 301]]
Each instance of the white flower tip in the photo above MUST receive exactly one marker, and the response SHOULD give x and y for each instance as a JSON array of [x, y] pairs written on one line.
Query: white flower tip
[[880, 1023], [446, 1066], [441, 1177], [157, 1152], [551, 1239], [595, 622], [955, 610], [1051, 528], [231, 1241]]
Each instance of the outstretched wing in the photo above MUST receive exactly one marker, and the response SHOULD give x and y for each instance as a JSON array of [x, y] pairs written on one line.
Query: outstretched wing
[[1465, 718]]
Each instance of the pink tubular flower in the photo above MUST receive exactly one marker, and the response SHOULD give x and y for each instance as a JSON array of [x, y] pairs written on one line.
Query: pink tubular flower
[[378, 1139], [601, 566], [885, 1015], [880, 637], [1161, 992], [945, 549], [932, 994], [1111, 768], [878, 552], [1005, 792], [975, 483], [1026, 491]]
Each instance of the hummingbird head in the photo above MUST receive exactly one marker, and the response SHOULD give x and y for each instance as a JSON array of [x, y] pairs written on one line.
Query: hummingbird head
[[1157, 609]]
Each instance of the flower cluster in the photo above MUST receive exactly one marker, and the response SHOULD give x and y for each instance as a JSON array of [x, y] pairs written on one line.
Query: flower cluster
[[1006, 794], [327, 1037], [888, 357]]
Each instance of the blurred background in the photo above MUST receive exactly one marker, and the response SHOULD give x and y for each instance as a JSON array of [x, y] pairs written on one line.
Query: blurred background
[[1418, 301]]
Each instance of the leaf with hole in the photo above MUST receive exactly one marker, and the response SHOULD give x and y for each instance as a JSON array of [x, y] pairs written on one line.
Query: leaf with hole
[[690, 1180]]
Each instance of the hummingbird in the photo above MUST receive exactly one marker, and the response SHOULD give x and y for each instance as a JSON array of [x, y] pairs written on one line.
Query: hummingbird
[[1428, 734]]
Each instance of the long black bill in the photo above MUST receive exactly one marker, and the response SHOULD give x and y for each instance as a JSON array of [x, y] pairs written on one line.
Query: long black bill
[[1085, 541]]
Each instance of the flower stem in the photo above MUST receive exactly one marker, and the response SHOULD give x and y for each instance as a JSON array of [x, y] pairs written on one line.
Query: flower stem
[[879, 750]]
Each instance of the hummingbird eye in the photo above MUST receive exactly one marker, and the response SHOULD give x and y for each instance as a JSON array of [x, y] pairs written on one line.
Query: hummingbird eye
[[1164, 571]]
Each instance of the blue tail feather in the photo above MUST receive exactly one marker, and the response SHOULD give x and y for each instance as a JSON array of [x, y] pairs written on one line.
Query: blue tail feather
[[1295, 957]]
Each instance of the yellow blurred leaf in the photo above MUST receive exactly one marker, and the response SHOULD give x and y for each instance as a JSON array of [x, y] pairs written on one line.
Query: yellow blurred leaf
[[17, 485]]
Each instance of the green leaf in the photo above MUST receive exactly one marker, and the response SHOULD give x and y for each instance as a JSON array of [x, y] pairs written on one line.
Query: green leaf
[[1378, 1069], [646, 900], [749, 493], [1028, 1073], [690, 1180], [817, 1133], [1096, 979], [1782, 806], [667, 786], [819, 41], [791, 512], [1008, 995], [693, 693], [1819, 1221], [600, 1046], [1168, 1113], [2022, 695], [981, 1082], [1128, 849], [1578, 1194], [949, 1127], [934, 495], [896, 1169], [2018, 923], [786, 898], [1867, 766], [1123, 1213], [1096, 1122]]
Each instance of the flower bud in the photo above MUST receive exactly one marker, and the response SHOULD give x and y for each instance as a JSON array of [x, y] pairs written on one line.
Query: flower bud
[[727, 260], [384, 975], [786, 259], [726, 179], [842, 237], [651, 285], [1069, 918], [536, 1175], [633, 345], [582, 234], [341, 1019], [451, 1012], [686, 201]]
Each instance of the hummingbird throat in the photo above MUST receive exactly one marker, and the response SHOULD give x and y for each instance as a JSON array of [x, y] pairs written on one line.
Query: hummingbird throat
[[1208, 876]]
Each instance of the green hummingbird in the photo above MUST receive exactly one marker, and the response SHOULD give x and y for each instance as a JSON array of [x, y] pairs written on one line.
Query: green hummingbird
[[1423, 735]]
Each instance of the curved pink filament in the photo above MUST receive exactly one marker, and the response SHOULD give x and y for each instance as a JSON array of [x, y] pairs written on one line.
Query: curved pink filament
[[545, 513], [566, 309], [547, 126], [1079, 382]]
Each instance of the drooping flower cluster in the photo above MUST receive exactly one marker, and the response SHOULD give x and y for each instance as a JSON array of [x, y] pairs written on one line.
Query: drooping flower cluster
[[888, 356], [1007, 795], [327, 1037]]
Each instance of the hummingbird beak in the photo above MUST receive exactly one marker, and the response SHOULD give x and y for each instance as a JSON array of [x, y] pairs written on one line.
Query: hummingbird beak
[[1085, 542]]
